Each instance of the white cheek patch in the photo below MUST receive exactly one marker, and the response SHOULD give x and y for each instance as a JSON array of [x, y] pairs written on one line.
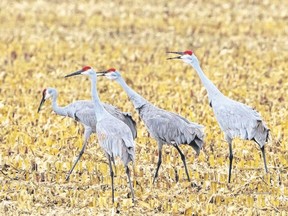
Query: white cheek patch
[[109, 76], [47, 95], [186, 60]]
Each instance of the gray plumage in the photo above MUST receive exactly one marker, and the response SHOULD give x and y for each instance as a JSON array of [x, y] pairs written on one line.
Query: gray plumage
[[239, 120], [83, 111], [164, 126], [171, 128], [115, 137], [234, 118]]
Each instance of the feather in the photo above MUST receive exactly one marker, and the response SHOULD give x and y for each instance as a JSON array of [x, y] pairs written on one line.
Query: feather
[[171, 128], [239, 120], [114, 141]]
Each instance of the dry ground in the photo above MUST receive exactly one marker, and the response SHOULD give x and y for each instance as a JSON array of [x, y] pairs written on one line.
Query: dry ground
[[243, 49]]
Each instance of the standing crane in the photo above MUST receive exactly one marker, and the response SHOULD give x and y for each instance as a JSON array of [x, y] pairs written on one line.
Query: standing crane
[[83, 112], [234, 118], [164, 126], [114, 136]]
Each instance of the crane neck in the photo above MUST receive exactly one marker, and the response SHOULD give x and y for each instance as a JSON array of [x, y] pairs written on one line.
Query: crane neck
[[98, 107], [136, 99], [210, 87], [58, 110]]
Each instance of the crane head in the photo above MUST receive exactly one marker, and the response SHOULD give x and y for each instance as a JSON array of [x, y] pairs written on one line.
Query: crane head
[[187, 56], [111, 74], [86, 70], [46, 94]]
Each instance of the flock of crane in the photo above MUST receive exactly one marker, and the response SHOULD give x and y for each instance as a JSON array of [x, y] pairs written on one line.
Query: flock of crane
[[116, 130]]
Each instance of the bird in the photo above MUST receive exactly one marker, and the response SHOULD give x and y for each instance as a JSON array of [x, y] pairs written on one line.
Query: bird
[[234, 118], [114, 136], [83, 111], [164, 126]]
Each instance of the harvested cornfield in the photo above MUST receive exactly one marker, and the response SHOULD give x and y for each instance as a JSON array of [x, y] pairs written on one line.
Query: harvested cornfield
[[242, 47]]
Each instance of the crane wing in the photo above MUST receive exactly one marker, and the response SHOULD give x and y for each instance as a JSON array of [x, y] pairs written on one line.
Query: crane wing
[[237, 119], [83, 112], [87, 117], [171, 128], [124, 117], [116, 138]]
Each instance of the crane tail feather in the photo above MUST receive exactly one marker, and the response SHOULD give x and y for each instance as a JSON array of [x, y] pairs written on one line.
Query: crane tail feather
[[127, 154], [262, 134]]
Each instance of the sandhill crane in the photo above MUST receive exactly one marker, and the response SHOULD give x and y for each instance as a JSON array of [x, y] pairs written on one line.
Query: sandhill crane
[[114, 136], [235, 119], [83, 112], [164, 126]]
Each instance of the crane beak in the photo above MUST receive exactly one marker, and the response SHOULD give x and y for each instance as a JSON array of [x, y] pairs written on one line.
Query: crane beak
[[101, 73], [74, 74], [177, 57], [41, 103]]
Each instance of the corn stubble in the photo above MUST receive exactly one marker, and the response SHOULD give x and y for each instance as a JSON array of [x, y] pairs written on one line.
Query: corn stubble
[[242, 48]]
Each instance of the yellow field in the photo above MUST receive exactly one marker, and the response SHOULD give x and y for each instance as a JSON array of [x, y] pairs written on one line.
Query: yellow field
[[243, 49]]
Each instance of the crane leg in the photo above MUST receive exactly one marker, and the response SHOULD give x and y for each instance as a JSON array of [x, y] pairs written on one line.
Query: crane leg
[[113, 161], [112, 176], [264, 158], [130, 184], [87, 134], [78, 158], [183, 159], [159, 161], [230, 159]]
